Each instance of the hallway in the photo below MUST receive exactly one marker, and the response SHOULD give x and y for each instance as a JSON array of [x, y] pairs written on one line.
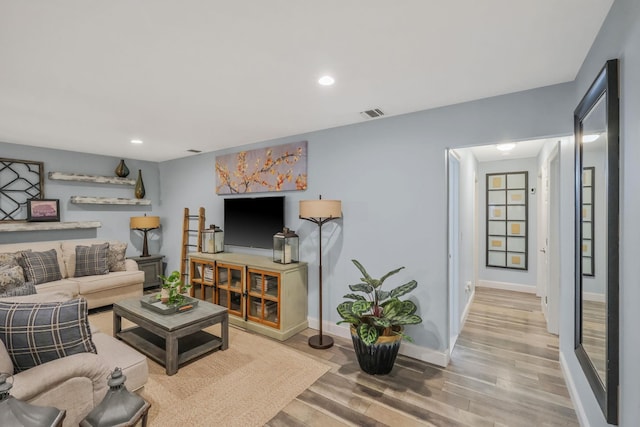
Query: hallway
[[504, 372]]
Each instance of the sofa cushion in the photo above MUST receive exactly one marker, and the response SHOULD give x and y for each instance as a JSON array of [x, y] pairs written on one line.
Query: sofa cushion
[[11, 276], [27, 288], [41, 267], [117, 256], [40, 332], [117, 354], [114, 280], [91, 260], [9, 259], [64, 285]]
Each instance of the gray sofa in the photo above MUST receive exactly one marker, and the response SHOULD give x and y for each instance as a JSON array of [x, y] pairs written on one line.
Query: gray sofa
[[98, 290]]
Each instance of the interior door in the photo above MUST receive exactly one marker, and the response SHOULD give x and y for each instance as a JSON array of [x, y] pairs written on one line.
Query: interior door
[[553, 244]]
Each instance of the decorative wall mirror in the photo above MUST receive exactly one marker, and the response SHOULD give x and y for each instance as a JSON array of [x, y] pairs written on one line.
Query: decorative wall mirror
[[596, 123]]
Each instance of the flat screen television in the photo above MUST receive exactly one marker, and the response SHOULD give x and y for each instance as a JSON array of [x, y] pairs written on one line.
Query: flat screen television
[[252, 221]]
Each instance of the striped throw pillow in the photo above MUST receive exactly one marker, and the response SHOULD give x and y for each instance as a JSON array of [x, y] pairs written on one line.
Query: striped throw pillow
[[37, 333], [41, 267], [92, 260]]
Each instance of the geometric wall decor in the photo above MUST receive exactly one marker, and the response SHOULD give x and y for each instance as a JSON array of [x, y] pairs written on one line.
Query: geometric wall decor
[[280, 168], [507, 220], [20, 180], [588, 184]]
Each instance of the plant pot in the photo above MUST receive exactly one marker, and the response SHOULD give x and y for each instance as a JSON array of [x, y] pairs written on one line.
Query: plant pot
[[379, 357]]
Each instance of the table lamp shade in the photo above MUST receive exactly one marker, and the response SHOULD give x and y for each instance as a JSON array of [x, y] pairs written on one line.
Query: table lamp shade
[[144, 222], [320, 208]]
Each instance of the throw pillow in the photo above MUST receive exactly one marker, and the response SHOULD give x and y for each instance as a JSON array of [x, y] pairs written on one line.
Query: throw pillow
[[9, 259], [11, 277], [41, 267], [91, 260], [28, 288], [41, 332], [116, 257]]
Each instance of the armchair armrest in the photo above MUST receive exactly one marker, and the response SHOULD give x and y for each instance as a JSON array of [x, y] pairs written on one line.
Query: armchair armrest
[[37, 380], [130, 265]]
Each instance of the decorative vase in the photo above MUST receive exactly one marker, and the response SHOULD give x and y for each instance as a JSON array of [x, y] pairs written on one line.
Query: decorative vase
[[122, 170], [379, 357], [139, 186]]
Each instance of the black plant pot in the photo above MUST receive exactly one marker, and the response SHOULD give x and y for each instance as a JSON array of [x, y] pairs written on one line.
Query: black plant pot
[[379, 357]]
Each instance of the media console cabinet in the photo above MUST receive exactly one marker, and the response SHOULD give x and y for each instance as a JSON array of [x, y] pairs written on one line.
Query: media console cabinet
[[261, 295]]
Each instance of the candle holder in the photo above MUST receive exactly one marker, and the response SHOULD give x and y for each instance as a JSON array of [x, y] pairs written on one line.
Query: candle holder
[[285, 247]]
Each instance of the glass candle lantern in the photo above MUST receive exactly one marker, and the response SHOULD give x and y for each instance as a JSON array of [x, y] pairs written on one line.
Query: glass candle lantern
[[285, 247], [212, 240]]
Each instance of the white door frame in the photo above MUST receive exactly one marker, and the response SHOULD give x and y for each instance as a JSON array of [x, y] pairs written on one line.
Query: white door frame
[[453, 246]]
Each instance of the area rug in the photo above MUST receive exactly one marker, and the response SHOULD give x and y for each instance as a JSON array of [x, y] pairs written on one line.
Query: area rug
[[245, 385]]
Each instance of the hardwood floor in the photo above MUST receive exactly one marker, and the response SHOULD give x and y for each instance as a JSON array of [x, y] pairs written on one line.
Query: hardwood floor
[[504, 372]]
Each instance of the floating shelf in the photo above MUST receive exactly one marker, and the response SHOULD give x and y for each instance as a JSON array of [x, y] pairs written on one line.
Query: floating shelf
[[43, 226], [90, 200], [64, 176]]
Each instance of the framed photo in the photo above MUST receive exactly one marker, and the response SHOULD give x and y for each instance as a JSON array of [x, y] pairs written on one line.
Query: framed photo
[[43, 210]]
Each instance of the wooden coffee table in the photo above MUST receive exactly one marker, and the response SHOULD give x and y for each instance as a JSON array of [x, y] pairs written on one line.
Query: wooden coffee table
[[171, 339]]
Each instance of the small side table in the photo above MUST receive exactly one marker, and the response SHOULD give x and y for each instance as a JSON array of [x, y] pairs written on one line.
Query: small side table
[[152, 267]]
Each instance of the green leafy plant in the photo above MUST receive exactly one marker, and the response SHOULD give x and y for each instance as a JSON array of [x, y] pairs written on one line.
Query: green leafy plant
[[378, 312], [174, 288]]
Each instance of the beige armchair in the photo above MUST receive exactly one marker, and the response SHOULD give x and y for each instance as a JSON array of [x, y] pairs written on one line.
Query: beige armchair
[[75, 383]]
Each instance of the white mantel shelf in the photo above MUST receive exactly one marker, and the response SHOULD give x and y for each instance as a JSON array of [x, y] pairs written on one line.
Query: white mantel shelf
[[64, 176], [90, 200], [10, 226]]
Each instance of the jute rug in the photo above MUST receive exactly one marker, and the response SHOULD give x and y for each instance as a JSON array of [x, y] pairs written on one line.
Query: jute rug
[[245, 385]]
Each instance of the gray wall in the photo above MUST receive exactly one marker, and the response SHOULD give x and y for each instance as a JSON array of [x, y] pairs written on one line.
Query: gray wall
[[390, 176], [619, 37], [114, 218], [491, 274]]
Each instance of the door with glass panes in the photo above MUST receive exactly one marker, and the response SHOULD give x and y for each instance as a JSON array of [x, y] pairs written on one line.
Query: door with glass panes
[[263, 302], [229, 280]]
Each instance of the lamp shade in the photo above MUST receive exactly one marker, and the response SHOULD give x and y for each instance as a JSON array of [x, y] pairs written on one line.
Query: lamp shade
[[144, 222], [320, 208]]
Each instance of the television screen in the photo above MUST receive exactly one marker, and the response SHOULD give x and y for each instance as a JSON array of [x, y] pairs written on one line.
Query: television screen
[[252, 222]]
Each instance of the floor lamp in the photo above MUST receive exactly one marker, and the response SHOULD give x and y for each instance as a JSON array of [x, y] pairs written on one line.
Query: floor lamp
[[320, 212]]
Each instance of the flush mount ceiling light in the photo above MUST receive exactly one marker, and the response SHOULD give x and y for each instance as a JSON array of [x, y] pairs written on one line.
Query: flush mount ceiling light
[[589, 138], [506, 147], [136, 141], [326, 80]]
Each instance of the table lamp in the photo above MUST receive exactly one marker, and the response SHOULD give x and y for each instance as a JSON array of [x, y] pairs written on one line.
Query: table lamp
[[320, 212], [144, 224]]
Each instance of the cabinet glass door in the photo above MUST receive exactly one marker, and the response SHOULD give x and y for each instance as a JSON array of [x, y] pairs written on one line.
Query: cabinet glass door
[[263, 304], [229, 280]]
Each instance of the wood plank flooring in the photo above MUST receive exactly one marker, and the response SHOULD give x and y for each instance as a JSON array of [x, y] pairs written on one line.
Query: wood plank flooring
[[504, 372]]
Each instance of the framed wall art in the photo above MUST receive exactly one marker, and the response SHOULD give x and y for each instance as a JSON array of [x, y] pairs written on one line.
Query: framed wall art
[[40, 210], [507, 220], [279, 168], [20, 180], [588, 184]]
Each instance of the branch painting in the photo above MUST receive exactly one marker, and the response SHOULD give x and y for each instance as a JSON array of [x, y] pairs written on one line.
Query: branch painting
[[280, 168]]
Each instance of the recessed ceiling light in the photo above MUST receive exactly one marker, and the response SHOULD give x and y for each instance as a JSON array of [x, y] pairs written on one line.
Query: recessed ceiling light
[[136, 141], [589, 138], [506, 147], [326, 80]]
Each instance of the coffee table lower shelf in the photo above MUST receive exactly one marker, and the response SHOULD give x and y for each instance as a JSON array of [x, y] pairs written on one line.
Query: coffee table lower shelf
[[152, 345]]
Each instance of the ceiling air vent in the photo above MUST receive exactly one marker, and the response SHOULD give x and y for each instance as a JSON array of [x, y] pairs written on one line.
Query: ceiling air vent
[[372, 114], [191, 150]]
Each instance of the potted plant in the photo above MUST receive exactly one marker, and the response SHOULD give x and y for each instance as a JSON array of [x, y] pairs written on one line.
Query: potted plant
[[172, 288], [377, 320]]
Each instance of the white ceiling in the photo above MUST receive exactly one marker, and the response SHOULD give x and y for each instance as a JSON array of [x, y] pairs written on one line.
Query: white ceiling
[[522, 150], [195, 74]]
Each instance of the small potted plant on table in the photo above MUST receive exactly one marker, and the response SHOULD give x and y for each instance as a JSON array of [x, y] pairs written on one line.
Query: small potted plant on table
[[172, 288], [377, 320]]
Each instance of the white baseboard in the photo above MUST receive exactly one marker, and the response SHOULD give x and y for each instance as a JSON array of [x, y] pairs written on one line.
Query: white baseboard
[[467, 309], [424, 354], [507, 286], [573, 392]]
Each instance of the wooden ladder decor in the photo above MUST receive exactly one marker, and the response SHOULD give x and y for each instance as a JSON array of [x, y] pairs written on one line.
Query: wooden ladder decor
[[188, 234]]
